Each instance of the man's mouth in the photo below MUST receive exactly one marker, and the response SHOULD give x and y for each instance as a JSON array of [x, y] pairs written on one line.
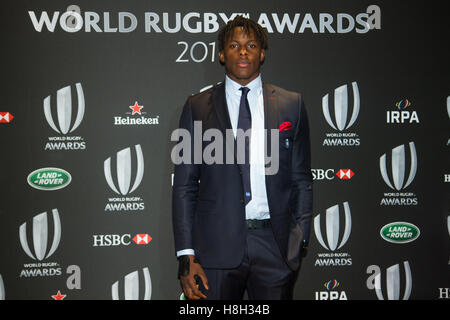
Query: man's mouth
[[243, 64]]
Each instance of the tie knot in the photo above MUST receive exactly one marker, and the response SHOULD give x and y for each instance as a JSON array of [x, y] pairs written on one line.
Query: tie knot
[[244, 90]]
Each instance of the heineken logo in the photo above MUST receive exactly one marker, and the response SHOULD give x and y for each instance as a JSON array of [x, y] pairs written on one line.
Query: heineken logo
[[49, 179], [400, 232]]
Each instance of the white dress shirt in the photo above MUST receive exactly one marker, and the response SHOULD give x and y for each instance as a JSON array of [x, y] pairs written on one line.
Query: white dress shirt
[[258, 207]]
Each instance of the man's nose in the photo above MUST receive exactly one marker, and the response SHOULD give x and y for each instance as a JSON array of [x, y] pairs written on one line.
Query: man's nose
[[243, 51]]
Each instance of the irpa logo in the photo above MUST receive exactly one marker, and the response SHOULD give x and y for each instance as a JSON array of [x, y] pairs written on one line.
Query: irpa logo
[[123, 174], [332, 227], [402, 114], [331, 293], [398, 165], [64, 109], [341, 108], [40, 236], [132, 284], [393, 281]]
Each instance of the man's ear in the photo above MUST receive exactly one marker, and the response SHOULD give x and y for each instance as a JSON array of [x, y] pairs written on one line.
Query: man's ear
[[262, 55], [221, 57]]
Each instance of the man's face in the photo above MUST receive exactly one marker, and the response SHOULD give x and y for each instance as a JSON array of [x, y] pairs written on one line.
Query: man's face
[[242, 56]]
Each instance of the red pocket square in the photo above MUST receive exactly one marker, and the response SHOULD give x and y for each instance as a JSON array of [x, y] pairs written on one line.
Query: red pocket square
[[285, 126]]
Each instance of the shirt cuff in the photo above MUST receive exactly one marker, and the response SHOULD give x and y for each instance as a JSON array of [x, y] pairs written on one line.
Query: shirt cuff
[[185, 252]]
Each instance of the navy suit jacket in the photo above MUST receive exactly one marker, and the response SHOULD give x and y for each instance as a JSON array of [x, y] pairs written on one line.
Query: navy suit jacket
[[208, 211]]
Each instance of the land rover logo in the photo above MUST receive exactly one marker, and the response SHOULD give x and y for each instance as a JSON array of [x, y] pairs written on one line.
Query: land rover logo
[[400, 232], [49, 179]]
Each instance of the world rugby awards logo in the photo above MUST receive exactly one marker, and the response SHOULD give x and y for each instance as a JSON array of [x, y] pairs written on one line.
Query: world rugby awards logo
[[332, 227], [448, 112], [397, 179], [123, 175], [448, 106], [64, 116], [448, 227], [39, 236], [2, 289], [393, 281], [341, 120], [131, 285]]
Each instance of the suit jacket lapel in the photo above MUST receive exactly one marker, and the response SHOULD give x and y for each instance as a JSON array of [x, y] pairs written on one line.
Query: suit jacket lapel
[[220, 106], [270, 112], [219, 102]]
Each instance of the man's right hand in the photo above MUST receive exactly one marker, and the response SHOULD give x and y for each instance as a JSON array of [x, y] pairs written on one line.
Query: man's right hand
[[188, 283]]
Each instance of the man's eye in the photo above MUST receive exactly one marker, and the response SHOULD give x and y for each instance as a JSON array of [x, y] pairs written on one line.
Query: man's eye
[[234, 45], [252, 46]]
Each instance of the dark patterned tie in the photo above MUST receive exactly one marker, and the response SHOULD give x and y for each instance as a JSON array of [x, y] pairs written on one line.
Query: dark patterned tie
[[245, 123]]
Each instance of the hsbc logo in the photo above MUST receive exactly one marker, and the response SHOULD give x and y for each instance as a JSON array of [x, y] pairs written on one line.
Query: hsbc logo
[[329, 174], [142, 239], [345, 174], [131, 284], [109, 240], [322, 174], [6, 117], [394, 282]]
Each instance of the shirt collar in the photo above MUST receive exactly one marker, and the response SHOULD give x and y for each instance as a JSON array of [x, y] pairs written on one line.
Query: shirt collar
[[233, 87]]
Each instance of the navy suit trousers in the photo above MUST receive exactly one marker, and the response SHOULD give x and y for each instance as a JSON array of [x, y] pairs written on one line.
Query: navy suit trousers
[[263, 272]]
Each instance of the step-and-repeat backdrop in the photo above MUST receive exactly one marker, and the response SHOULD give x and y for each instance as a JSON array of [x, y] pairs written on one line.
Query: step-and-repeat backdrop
[[91, 92]]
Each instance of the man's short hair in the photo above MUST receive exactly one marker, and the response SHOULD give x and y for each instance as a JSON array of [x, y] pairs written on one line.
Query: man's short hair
[[247, 24]]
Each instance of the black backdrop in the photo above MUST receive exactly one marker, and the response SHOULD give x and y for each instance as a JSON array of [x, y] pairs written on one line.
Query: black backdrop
[[395, 52]]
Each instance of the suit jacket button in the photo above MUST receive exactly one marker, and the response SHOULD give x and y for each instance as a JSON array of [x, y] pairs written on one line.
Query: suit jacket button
[[242, 200]]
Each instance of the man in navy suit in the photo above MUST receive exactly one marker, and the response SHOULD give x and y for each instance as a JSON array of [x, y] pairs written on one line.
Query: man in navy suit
[[243, 226]]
